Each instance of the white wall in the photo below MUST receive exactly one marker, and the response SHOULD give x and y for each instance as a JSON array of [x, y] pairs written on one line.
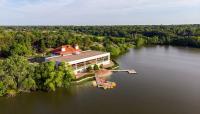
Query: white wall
[[89, 58], [84, 68]]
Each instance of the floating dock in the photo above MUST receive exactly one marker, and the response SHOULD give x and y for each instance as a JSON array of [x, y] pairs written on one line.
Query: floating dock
[[130, 71], [102, 83]]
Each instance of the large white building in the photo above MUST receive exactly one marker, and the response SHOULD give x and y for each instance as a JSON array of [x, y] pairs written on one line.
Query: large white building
[[79, 60]]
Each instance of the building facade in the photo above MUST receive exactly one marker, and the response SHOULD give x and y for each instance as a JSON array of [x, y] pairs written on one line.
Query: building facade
[[79, 60]]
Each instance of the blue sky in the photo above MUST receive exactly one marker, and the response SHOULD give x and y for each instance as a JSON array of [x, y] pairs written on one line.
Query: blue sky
[[99, 12]]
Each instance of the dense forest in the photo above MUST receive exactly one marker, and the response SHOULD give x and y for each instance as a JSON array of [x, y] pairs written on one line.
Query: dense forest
[[20, 43], [31, 40], [181, 35]]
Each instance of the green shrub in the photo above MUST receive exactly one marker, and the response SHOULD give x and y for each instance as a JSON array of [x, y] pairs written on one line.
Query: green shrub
[[89, 68], [11, 93], [96, 67], [101, 66]]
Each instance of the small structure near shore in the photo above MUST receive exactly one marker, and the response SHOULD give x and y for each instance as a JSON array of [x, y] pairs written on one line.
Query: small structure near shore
[[101, 81]]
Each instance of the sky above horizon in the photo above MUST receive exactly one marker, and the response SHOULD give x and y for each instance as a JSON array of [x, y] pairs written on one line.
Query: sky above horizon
[[99, 12]]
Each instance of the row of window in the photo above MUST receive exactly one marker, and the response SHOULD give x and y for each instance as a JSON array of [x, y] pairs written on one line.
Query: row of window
[[90, 62]]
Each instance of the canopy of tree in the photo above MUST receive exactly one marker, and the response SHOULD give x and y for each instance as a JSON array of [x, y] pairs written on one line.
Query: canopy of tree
[[31, 40], [18, 75]]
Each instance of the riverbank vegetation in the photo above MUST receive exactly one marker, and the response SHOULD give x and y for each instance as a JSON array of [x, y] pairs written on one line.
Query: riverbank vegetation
[[18, 75]]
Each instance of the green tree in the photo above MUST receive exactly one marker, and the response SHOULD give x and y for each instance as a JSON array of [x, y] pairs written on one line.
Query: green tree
[[49, 76], [69, 75], [114, 50], [16, 74], [2, 89], [140, 42], [17, 68], [28, 84], [19, 49], [42, 46]]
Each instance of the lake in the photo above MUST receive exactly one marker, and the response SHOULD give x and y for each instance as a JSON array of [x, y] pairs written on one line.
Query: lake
[[168, 82]]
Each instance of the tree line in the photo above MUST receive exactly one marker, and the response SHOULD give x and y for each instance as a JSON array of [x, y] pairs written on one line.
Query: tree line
[[181, 35], [31, 40]]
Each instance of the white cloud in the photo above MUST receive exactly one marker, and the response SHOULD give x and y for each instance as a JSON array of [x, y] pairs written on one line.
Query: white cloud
[[94, 11], [2, 2]]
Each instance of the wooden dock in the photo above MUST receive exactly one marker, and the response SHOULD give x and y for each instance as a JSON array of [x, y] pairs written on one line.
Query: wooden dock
[[102, 83], [130, 71]]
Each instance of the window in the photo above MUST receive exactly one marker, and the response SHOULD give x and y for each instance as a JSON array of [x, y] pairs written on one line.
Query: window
[[80, 65], [106, 58]]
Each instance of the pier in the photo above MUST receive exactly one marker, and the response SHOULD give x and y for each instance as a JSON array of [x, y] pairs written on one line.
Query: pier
[[103, 83], [130, 71]]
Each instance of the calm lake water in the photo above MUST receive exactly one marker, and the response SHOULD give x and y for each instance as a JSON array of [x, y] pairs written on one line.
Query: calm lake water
[[168, 82]]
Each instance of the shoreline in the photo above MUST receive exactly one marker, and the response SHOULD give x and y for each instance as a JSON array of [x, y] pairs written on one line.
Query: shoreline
[[90, 76]]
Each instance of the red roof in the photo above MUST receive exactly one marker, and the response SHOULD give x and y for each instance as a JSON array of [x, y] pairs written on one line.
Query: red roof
[[65, 49]]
